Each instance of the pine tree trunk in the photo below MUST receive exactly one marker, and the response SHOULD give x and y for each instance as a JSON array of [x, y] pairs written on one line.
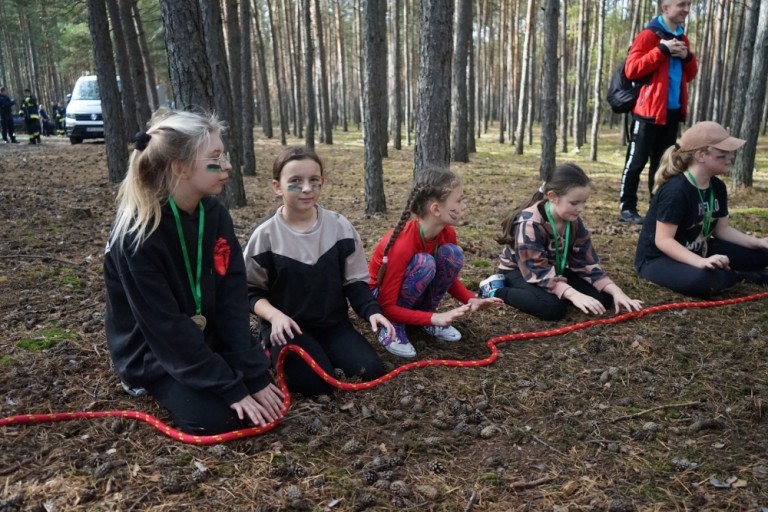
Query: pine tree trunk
[[395, 70], [234, 193], [750, 125], [190, 75], [326, 128], [244, 86], [470, 135], [309, 71], [281, 99], [549, 84], [597, 96], [522, 109], [342, 62], [265, 102], [746, 54], [460, 152], [375, 90], [563, 121], [135, 63], [114, 132], [433, 118], [148, 65], [132, 124]]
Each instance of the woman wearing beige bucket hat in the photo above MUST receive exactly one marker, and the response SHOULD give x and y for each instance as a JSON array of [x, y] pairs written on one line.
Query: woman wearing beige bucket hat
[[686, 243]]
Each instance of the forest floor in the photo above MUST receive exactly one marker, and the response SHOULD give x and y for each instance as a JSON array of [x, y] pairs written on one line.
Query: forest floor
[[664, 412]]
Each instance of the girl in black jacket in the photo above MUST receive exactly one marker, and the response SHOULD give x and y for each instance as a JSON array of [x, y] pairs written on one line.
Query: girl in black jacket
[[177, 310]]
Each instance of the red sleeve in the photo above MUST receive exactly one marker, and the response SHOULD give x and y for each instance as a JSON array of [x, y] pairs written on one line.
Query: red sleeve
[[644, 56]]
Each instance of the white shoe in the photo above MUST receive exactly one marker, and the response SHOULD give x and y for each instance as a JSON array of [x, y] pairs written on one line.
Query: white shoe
[[443, 333], [399, 346]]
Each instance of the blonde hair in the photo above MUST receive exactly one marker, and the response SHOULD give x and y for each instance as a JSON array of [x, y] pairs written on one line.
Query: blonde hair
[[171, 136], [432, 184], [674, 161]]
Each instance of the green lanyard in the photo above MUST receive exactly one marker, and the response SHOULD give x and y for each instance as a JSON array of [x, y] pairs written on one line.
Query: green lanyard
[[559, 258], [423, 241], [706, 223], [194, 284]]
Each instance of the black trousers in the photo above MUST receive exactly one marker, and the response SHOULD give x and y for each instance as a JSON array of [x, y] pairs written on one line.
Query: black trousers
[[703, 283], [535, 300], [7, 128], [340, 346], [194, 411], [33, 128], [648, 141]]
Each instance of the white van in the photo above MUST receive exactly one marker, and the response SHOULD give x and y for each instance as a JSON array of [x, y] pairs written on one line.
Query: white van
[[84, 119]]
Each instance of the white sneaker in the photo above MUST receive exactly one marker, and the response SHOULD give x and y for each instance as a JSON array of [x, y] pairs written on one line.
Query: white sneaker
[[399, 346], [443, 333], [489, 285]]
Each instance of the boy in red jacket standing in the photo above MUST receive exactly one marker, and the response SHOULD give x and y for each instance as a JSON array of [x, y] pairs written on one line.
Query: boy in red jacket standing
[[662, 53]]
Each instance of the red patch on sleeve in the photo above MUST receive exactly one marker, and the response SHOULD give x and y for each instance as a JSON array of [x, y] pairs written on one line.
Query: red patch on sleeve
[[221, 256]]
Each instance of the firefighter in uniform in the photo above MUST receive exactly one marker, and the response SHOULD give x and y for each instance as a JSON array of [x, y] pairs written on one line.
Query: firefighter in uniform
[[31, 116]]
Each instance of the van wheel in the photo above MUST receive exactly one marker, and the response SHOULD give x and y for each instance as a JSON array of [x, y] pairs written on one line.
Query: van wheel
[[75, 140]]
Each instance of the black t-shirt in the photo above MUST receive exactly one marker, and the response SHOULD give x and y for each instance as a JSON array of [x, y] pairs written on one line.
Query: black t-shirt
[[678, 202]]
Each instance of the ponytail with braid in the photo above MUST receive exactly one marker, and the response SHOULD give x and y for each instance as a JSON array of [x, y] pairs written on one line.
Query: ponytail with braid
[[432, 184]]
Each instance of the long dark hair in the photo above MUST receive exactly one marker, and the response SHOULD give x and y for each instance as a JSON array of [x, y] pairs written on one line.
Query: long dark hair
[[432, 184], [560, 181]]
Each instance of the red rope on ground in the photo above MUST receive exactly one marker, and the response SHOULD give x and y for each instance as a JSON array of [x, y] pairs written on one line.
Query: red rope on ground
[[28, 419]]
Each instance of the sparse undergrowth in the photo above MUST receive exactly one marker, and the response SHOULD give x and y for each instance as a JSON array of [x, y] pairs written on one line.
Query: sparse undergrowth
[[665, 412]]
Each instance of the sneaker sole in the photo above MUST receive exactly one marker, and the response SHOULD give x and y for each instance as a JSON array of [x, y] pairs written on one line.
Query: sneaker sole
[[394, 349]]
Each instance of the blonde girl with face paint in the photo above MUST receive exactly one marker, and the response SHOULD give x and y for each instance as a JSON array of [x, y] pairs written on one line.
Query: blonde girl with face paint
[[177, 318], [687, 243], [305, 265]]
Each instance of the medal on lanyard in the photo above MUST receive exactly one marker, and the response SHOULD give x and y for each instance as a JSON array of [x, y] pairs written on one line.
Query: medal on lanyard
[[559, 258], [706, 223], [194, 281]]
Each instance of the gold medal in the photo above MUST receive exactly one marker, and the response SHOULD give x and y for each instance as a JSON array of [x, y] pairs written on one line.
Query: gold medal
[[200, 321]]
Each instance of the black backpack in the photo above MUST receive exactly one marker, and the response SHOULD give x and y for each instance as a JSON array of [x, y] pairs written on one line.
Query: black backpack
[[623, 92]]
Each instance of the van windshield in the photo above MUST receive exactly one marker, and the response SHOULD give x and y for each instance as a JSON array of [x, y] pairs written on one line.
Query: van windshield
[[86, 90]]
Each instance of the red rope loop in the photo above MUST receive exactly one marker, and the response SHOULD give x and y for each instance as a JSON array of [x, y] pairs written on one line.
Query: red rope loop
[[29, 419]]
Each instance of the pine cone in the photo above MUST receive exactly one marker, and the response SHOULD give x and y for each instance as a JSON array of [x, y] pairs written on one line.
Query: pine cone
[[440, 424], [364, 501], [437, 467], [352, 446], [398, 487], [428, 492], [292, 492], [279, 471], [370, 477], [381, 484]]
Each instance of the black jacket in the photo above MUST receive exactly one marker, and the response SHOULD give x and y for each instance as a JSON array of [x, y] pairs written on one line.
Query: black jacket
[[150, 304]]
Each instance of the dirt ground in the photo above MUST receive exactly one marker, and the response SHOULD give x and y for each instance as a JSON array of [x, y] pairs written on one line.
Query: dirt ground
[[665, 412]]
